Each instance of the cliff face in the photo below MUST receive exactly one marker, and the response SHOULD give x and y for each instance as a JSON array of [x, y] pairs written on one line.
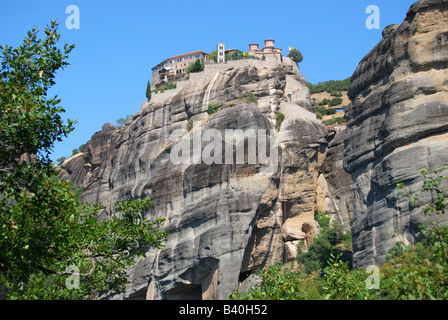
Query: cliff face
[[228, 219], [397, 125], [225, 220]]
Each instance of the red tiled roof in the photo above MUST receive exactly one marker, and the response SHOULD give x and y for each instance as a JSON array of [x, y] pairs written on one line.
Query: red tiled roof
[[182, 55], [186, 54]]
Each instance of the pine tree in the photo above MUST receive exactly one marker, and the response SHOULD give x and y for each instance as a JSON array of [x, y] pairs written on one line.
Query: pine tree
[[148, 91]]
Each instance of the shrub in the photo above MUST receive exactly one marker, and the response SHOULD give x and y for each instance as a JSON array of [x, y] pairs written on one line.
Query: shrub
[[411, 272], [332, 240], [248, 97], [213, 108], [61, 160], [330, 86], [335, 121], [190, 124], [325, 101], [341, 283], [330, 111], [166, 86], [279, 121], [279, 282], [335, 94], [322, 111], [335, 102], [122, 121], [196, 66], [295, 55]]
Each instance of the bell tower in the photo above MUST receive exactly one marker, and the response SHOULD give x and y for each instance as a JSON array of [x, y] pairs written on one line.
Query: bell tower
[[221, 53]]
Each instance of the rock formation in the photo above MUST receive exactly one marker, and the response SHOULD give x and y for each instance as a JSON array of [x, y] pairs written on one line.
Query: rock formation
[[397, 125], [224, 220], [228, 219]]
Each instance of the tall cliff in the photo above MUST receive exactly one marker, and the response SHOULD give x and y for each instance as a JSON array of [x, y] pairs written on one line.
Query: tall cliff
[[397, 125], [225, 220]]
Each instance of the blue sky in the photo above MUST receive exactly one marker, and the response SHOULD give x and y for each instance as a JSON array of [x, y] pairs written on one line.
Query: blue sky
[[118, 43]]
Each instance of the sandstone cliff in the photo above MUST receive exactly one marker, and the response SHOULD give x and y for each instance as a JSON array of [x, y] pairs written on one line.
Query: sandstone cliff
[[224, 220], [227, 220], [397, 125]]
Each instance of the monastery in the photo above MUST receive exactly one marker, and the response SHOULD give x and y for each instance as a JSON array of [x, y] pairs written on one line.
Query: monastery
[[174, 68]]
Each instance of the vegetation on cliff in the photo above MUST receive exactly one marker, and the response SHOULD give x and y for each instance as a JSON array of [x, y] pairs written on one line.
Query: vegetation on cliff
[[412, 271], [332, 86], [295, 55]]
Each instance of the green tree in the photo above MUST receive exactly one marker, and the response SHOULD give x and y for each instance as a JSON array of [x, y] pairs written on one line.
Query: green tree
[[122, 121], [335, 101], [148, 91], [60, 160], [236, 55], [196, 66], [421, 270], [295, 55], [48, 237], [213, 55], [212, 108], [280, 282], [279, 120]]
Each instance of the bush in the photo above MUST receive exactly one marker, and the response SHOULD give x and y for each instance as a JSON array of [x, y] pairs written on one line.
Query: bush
[[335, 94], [330, 111], [279, 282], [213, 108], [332, 240], [248, 97], [61, 160], [295, 55], [411, 272], [279, 121], [330, 86], [167, 86], [335, 121], [322, 111], [335, 101], [341, 283], [196, 66], [190, 124], [122, 121]]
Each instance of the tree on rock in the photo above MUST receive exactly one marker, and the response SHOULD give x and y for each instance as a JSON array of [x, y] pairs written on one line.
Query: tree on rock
[[148, 91], [196, 66], [295, 55]]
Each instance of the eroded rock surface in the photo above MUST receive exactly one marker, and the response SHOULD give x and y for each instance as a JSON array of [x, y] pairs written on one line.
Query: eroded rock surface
[[224, 220], [397, 125]]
